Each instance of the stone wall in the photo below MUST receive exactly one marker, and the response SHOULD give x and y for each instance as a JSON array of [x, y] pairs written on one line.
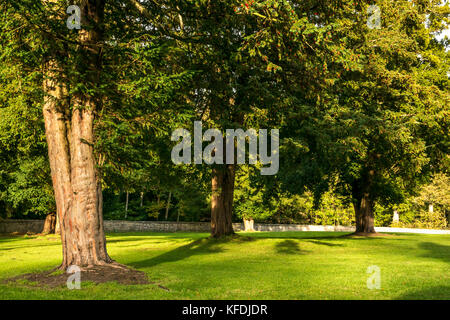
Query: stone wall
[[158, 226], [36, 226], [21, 226]]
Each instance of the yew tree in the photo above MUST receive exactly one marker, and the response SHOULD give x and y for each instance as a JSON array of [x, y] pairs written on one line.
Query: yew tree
[[87, 80], [371, 132]]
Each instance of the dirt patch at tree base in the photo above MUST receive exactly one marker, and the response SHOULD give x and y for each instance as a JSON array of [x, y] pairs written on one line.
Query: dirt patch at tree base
[[97, 274], [368, 234]]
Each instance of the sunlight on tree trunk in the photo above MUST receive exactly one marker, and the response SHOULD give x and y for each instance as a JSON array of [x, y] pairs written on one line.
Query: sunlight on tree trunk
[[222, 200], [70, 140]]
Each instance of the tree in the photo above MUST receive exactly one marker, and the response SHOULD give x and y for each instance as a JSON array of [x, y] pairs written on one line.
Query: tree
[[76, 93], [70, 140], [369, 133]]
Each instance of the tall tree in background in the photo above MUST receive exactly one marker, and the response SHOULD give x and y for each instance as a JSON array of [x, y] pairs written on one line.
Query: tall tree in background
[[387, 106], [371, 131]]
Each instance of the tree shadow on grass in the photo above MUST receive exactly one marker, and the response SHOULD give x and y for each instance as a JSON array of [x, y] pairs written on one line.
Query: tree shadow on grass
[[149, 237], [26, 247], [289, 247], [436, 251], [18, 237], [204, 246], [323, 243], [433, 293]]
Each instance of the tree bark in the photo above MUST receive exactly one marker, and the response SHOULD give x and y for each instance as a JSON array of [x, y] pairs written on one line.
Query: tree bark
[[364, 215], [49, 224], [222, 200], [70, 141]]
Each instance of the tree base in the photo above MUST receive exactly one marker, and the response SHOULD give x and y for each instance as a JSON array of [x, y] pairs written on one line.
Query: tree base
[[97, 274], [223, 235], [367, 234]]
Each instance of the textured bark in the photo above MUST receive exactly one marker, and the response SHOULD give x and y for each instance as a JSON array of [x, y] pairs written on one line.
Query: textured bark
[[364, 215], [70, 141], [222, 200], [49, 224]]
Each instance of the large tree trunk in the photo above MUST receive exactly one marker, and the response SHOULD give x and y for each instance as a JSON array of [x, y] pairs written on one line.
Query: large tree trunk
[[222, 200], [70, 141], [49, 224], [364, 215]]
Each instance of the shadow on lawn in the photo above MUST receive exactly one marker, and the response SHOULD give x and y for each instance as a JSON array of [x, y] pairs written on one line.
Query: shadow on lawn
[[433, 293], [323, 243], [136, 236], [197, 247], [289, 247], [436, 251]]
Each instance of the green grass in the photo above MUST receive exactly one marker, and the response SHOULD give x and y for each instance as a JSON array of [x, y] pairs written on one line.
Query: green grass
[[261, 265]]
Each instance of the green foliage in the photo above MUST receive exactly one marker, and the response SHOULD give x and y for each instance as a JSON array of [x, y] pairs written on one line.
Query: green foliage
[[359, 110], [25, 183]]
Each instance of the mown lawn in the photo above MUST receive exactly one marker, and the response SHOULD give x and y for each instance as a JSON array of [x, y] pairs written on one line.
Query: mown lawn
[[260, 265]]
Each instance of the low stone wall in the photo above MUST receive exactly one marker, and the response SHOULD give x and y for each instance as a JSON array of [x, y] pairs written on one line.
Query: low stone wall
[[298, 227], [158, 226], [36, 226], [21, 226]]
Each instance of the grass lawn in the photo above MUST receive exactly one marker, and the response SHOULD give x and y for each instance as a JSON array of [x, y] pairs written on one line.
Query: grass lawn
[[260, 265]]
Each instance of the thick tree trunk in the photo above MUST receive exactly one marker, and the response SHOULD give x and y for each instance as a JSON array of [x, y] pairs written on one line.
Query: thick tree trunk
[[70, 141], [222, 200], [49, 224], [364, 215]]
